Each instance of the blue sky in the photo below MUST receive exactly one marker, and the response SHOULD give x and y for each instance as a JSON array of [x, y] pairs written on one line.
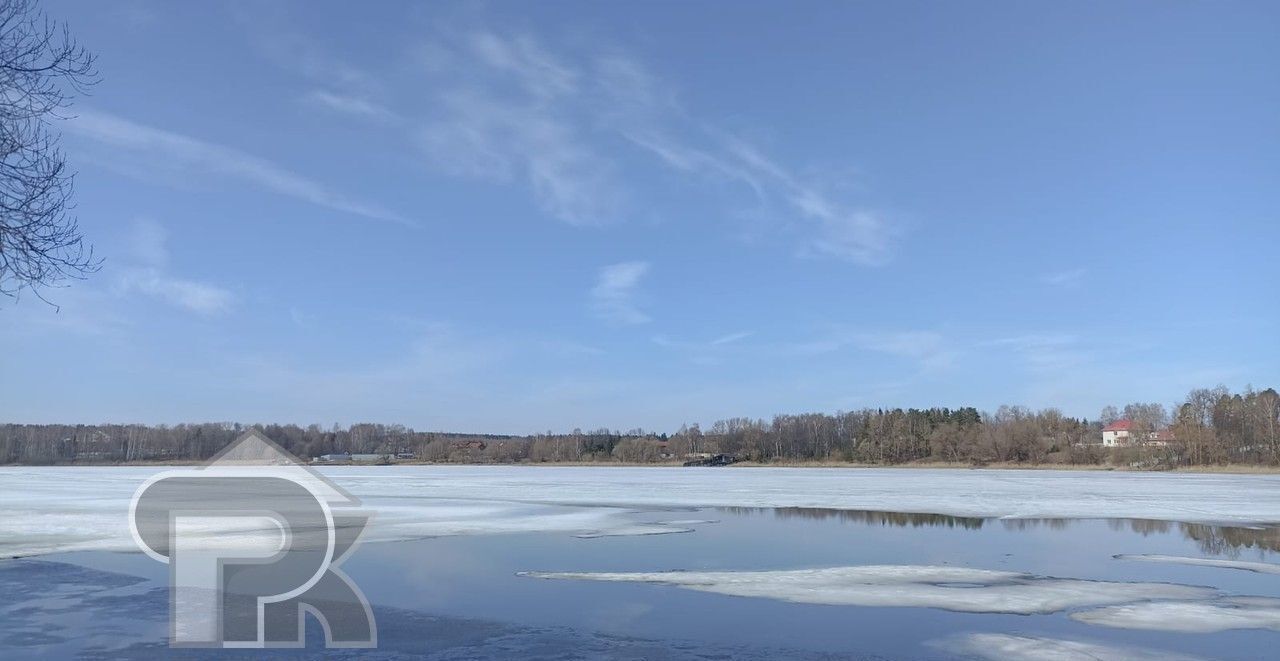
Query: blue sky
[[470, 217]]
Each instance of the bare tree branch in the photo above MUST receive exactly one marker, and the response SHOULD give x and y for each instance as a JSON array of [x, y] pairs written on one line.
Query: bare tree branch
[[41, 69]]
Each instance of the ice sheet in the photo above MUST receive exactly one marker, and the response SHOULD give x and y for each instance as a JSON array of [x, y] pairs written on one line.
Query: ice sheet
[[949, 588], [1257, 567], [48, 509], [1201, 498], [1190, 616], [29, 532], [1005, 647]]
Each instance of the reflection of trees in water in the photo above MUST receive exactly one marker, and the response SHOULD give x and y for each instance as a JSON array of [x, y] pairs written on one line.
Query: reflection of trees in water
[[1032, 524], [1229, 541], [1144, 527], [1211, 539], [896, 519], [899, 519]]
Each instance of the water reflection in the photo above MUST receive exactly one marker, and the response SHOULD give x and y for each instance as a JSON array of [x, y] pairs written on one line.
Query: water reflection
[[1229, 541], [1211, 539], [896, 519], [840, 580]]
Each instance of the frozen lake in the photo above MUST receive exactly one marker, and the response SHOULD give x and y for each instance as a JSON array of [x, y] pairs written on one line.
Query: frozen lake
[[552, 562], [49, 509]]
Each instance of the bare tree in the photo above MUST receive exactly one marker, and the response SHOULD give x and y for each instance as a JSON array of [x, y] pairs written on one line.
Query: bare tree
[[1146, 418], [41, 69]]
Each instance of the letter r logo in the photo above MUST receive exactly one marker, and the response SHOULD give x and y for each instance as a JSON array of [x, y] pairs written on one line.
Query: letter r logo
[[253, 542]]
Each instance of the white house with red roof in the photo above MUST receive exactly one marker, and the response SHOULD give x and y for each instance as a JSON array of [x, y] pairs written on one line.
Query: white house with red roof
[[1117, 433], [1121, 432]]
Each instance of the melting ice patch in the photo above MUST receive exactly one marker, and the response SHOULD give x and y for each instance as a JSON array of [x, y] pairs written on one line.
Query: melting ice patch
[[1257, 567], [949, 588], [1005, 647], [1190, 616]]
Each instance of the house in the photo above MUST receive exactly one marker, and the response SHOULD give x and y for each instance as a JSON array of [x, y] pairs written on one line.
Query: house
[[1159, 438], [713, 460], [1117, 433], [1122, 432], [349, 458]]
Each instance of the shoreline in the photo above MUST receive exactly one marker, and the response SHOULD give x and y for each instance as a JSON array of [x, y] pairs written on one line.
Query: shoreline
[[1225, 469]]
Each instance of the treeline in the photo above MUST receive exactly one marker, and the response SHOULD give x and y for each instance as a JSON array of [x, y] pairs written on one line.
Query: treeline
[[1208, 427]]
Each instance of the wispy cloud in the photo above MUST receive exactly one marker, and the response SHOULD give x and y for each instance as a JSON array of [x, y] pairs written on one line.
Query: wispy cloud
[[484, 137], [928, 349], [570, 348], [668, 342], [612, 298], [190, 295], [303, 319], [1064, 279], [731, 337], [860, 235], [535, 69], [512, 111], [904, 343], [703, 352], [508, 108], [1047, 352], [690, 145], [161, 151], [688, 159], [271, 28], [150, 276], [349, 104], [1034, 340], [148, 242], [836, 229], [337, 85]]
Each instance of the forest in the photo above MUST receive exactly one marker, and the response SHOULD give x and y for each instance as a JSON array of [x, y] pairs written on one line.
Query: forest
[[1210, 426]]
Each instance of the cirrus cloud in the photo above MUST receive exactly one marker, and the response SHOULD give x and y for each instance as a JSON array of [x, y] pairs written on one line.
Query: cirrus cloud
[[612, 298]]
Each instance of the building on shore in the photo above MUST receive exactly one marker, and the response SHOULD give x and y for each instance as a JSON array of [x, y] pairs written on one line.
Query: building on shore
[[1123, 433], [349, 458]]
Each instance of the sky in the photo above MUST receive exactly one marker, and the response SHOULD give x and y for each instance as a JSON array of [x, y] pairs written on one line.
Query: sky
[[493, 217]]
